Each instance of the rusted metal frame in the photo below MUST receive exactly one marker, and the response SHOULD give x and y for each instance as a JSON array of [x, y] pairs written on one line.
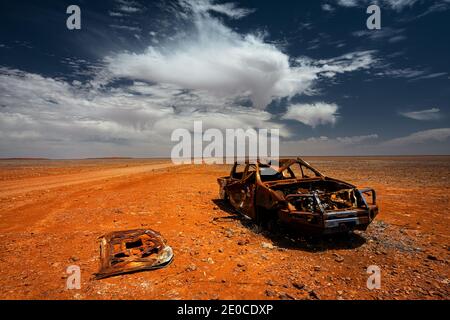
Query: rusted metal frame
[[154, 253], [306, 164], [300, 161], [316, 198], [373, 194], [266, 197]]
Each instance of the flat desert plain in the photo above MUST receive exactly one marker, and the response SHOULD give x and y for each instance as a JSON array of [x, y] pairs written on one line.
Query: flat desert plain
[[53, 211]]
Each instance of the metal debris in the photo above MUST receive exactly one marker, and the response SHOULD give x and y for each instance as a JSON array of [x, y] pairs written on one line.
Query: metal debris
[[131, 251], [298, 195]]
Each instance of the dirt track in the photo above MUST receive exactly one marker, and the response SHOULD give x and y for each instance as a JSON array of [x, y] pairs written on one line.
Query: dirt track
[[10, 188], [51, 214]]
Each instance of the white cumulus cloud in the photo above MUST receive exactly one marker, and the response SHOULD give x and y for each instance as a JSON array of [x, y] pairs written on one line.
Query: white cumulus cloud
[[48, 117], [315, 114], [207, 71], [213, 57]]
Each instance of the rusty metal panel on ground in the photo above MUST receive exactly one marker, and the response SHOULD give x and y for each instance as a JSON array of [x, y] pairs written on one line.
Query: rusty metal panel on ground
[[131, 251]]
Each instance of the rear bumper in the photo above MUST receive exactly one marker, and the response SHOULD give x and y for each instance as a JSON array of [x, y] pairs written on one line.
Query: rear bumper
[[345, 224], [329, 223]]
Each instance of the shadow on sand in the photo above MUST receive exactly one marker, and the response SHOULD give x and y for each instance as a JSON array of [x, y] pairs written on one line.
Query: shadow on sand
[[283, 237]]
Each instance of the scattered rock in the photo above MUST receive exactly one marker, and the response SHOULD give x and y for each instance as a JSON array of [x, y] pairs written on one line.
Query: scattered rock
[[431, 257], [285, 296], [243, 242], [220, 250], [270, 293], [314, 295], [77, 296], [298, 285], [73, 258], [191, 267], [229, 233], [269, 283], [339, 258], [316, 268], [267, 245]]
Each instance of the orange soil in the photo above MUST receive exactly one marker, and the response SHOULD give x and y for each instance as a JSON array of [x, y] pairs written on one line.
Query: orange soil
[[52, 212]]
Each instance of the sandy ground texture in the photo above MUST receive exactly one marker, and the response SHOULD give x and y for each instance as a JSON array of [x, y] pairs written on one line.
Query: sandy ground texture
[[52, 212]]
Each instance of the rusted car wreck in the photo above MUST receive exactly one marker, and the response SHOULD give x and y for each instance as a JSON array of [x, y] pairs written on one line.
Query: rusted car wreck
[[299, 196]]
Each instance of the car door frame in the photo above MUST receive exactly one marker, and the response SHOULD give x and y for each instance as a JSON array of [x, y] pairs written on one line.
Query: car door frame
[[242, 193]]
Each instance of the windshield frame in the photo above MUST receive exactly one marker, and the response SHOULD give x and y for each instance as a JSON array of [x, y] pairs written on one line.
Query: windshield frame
[[286, 166]]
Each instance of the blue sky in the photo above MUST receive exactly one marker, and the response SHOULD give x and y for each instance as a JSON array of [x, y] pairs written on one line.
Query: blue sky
[[138, 70]]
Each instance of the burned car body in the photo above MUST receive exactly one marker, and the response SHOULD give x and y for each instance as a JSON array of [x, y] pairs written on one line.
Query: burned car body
[[298, 196]]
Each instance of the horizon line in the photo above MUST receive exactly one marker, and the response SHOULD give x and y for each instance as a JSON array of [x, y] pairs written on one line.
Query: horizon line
[[168, 158]]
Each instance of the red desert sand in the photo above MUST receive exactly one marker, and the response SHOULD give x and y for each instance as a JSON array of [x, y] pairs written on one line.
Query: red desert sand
[[53, 211]]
